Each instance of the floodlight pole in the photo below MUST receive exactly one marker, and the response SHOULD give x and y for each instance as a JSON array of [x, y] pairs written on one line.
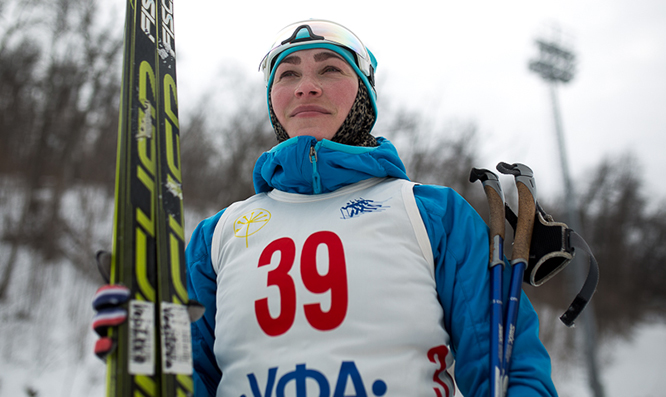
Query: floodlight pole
[[556, 65]]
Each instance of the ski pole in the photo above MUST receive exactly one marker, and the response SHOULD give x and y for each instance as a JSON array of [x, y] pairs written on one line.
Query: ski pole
[[493, 191], [521, 249]]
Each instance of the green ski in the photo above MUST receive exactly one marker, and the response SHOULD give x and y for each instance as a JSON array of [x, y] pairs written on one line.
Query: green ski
[[153, 354]]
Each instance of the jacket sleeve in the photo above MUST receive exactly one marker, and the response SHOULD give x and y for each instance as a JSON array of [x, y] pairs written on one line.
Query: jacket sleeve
[[459, 240], [202, 287]]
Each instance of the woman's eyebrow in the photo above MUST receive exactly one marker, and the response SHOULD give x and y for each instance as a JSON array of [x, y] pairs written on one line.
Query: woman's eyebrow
[[318, 57], [322, 56], [292, 59]]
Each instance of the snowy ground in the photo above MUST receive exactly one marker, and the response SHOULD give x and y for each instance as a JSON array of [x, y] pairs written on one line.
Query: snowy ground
[[46, 351], [48, 366], [640, 365], [628, 368]]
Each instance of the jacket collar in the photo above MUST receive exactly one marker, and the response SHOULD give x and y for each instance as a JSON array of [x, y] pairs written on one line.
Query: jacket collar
[[307, 166]]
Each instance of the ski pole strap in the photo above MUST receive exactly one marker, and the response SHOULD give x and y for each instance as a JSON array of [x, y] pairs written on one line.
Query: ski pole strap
[[550, 251], [553, 247], [590, 285]]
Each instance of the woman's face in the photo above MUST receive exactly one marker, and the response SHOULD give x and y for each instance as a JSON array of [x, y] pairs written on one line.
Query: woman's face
[[312, 93]]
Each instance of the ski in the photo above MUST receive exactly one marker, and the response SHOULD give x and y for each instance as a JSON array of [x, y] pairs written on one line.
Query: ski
[[153, 353]]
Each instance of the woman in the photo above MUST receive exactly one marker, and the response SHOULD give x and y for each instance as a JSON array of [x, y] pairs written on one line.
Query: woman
[[340, 276]]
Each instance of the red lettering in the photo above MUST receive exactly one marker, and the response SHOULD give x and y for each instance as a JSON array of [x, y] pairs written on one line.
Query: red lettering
[[436, 354], [334, 280], [278, 277]]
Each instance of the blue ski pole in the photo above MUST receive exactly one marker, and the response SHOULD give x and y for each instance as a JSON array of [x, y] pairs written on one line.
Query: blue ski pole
[[521, 249], [493, 191]]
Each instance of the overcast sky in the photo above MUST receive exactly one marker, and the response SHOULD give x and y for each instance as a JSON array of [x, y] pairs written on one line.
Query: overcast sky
[[468, 61]]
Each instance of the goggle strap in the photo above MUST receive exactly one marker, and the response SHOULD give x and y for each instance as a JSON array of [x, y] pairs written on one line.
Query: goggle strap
[[293, 38], [371, 78]]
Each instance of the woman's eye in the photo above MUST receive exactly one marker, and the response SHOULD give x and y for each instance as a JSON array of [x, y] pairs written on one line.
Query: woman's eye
[[287, 73], [331, 69]]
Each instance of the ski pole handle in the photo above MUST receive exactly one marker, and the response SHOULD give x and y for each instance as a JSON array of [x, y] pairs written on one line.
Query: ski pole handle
[[493, 190], [525, 225], [526, 208]]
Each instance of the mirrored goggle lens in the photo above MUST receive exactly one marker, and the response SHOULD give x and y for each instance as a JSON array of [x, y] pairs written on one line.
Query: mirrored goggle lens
[[330, 31]]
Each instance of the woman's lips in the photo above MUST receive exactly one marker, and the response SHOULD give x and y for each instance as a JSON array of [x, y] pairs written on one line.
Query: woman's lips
[[308, 110]]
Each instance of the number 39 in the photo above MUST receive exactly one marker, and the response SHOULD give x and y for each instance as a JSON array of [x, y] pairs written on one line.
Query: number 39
[[335, 281]]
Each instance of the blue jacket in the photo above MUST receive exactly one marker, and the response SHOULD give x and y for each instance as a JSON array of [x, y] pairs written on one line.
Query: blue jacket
[[459, 240]]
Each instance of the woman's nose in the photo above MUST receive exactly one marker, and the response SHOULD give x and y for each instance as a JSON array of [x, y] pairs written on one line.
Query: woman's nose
[[308, 86]]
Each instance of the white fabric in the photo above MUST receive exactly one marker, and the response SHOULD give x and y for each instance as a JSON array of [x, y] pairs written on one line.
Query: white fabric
[[390, 338]]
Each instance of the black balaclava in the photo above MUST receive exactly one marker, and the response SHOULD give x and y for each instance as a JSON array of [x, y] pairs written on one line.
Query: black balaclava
[[354, 131]]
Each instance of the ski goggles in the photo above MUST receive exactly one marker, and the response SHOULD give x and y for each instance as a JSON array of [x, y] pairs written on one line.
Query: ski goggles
[[318, 31]]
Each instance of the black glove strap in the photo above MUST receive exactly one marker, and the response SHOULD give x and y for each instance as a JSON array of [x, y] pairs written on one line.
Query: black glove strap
[[590, 285], [552, 248]]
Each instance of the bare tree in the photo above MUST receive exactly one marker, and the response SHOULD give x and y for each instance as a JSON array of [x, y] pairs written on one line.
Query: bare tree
[[442, 155], [626, 233], [221, 144], [627, 237], [58, 106]]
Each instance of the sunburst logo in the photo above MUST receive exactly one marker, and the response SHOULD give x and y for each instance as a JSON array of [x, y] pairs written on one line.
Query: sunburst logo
[[250, 223]]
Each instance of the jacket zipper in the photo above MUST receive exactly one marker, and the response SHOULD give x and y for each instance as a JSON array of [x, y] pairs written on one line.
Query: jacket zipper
[[316, 182]]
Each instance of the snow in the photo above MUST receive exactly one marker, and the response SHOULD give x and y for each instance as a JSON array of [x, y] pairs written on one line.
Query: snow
[[83, 379], [51, 355], [47, 348], [630, 367], [637, 367]]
